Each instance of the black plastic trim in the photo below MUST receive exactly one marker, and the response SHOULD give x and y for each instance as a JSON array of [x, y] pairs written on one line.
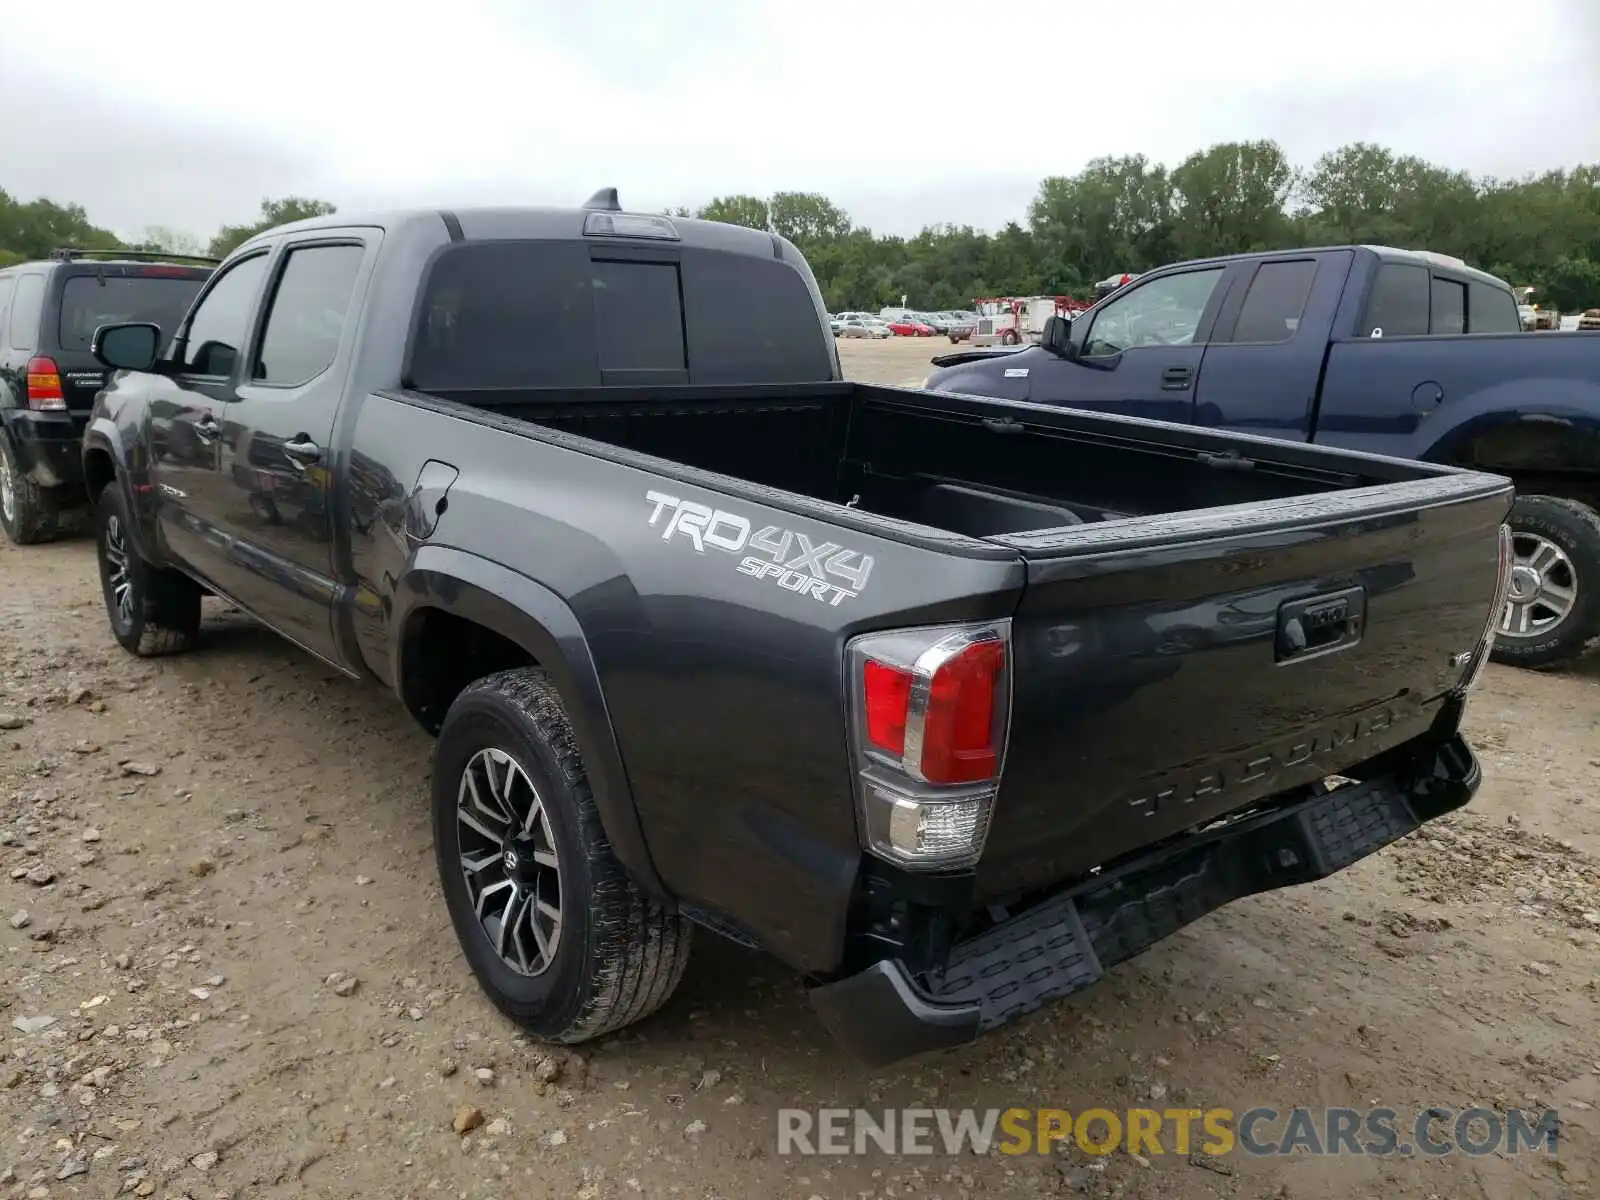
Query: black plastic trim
[[1067, 942]]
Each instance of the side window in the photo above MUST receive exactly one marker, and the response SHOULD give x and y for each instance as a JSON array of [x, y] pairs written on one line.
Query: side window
[[1398, 306], [1449, 307], [8, 284], [26, 308], [1275, 302], [1491, 310], [1163, 312], [221, 323], [307, 315]]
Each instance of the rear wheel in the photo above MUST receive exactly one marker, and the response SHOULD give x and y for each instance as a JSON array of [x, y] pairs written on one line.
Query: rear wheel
[[1553, 605], [28, 512], [152, 611], [557, 934]]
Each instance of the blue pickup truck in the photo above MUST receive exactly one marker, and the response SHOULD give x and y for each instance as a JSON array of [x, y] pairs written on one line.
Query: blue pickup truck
[[1395, 352]]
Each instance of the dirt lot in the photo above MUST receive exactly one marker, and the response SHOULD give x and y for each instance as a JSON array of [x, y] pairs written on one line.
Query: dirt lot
[[221, 892]]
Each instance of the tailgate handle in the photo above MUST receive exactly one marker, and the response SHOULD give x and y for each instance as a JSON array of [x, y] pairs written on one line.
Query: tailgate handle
[[1321, 624]]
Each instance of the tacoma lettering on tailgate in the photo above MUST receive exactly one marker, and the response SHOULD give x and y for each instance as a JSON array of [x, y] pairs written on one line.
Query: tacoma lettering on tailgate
[[1265, 763], [788, 557]]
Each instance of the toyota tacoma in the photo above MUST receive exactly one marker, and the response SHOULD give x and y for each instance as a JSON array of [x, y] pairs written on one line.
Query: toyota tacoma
[[949, 703]]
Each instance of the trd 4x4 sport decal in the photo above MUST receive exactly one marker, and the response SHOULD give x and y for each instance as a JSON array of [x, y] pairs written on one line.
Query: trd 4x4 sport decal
[[827, 572]]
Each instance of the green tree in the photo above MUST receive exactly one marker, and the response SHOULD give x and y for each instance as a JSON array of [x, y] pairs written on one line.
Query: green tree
[[273, 214], [749, 211], [32, 229]]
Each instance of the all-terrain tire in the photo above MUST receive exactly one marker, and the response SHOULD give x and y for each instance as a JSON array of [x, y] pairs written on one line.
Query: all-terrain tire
[[1575, 528], [163, 612], [32, 515], [620, 954]]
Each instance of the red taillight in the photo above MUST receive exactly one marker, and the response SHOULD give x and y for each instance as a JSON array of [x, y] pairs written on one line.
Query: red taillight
[[954, 735], [958, 734], [930, 714], [44, 385], [887, 692]]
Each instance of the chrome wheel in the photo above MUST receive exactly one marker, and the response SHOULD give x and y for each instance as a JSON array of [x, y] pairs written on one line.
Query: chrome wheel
[[8, 489], [508, 857], [1543, 589], [118, 580]]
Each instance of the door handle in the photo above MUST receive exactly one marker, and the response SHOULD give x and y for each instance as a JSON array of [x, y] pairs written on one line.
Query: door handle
[[302, 450], [1176, 379]]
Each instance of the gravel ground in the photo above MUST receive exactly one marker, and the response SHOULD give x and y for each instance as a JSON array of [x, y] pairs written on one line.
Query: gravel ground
[[228, 971]]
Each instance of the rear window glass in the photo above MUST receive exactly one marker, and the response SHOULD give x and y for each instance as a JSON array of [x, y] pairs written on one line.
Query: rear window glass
[[543, 314], [638, 316], [88, 302]]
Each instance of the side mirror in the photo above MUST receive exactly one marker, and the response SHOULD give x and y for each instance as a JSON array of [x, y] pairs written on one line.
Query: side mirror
[[1056, 336], [128, 347]]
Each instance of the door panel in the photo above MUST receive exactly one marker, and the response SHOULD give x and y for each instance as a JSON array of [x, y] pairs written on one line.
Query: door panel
[[187, 426], [276, 461], [1141, 353], [1264, 364]]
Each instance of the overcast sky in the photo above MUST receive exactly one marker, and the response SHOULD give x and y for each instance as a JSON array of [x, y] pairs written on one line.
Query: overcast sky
[[186, 113]]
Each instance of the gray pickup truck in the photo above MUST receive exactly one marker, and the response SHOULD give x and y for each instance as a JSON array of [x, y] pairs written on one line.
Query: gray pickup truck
[[949, 703]]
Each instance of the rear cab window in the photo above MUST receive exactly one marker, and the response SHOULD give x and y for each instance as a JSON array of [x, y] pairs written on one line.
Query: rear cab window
[[566, 314], [111, 296]]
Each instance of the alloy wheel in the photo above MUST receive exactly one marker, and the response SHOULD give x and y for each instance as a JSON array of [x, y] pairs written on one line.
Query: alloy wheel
[[509, 861], [1543, 589], [8, 489], [118, 578]]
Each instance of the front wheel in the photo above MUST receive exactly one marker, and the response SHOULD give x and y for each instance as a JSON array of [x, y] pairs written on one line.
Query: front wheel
[[559, 937], [152, 611], [1553, 603], [1009, 338]]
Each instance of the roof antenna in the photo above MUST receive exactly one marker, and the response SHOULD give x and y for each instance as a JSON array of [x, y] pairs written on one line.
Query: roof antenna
[[605, 199]]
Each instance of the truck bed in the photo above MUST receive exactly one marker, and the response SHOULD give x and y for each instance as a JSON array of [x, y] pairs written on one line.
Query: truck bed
[[1153, 688], [942, 461]]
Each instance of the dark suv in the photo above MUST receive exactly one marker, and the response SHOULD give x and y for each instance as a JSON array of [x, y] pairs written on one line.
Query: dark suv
[[48, 377]]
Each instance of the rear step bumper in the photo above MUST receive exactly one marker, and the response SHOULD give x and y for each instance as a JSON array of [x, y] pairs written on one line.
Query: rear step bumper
[[1066, 943]]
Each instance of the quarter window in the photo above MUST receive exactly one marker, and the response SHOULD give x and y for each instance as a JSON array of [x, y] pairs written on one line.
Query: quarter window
[[1491, 310], [1449, 307], [26, 308]]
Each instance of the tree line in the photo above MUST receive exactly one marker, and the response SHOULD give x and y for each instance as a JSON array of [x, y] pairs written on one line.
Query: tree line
[[1117, 214]]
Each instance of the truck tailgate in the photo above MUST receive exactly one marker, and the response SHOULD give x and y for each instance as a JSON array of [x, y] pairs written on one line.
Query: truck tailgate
[[1175, 669]]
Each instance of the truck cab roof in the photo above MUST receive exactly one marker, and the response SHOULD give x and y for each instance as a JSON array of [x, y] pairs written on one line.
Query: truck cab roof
[[1389, 254], [543, 222]]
